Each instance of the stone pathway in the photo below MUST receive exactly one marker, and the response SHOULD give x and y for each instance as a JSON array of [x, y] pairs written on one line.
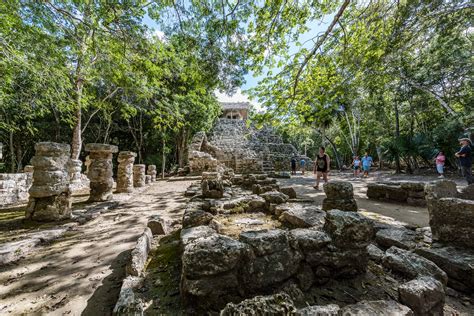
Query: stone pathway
[[81, 273], [386, 212]]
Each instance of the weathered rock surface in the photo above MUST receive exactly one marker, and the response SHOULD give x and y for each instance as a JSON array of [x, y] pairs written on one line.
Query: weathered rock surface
[[451, 221], [381, 308], [290, 191], [196, 217], [401, 192], [309, 240], [275, 197], [159, 225], [139, 177], [100, 171], [349, 229], [302, 215], [212, 188], [50, 195], [139, 254], [456, 262], [188, 235], [412, 265], [467, 192], [375, 253], [277, 304], [128, 303], [272, 259], [247, 203], [319, 310], [125, 171], [339, 196], [400, 237], [424, 295], [212, 255]]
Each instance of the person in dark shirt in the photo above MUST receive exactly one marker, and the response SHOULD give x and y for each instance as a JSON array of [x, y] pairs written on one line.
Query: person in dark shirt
[[293, 165], [465, 159]]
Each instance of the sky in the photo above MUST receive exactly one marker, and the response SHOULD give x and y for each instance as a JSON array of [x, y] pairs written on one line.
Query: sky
[[251, 80]]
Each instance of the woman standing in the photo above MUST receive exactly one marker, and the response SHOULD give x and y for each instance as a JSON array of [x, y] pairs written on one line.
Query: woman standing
[[356, 165], [321, 166]]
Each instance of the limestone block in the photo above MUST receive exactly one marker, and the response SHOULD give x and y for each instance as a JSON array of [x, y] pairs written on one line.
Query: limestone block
[[158, 225], [139, 254], [349, 229], [302, 216], [139, 177], [451, 221], [290, 191], [424, 295], [319, 310], [458, 263], [147, 179], [277, 304], [399, 237], [412, 265], [380, 308], [338, 190]]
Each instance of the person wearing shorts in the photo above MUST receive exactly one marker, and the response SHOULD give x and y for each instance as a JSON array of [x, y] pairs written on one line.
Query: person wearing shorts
[[366, 164], [356, 165], [302, 165], [321, 166]]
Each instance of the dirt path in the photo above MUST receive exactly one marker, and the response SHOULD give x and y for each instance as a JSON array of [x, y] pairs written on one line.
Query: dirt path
[[81, 273], [386, 212]]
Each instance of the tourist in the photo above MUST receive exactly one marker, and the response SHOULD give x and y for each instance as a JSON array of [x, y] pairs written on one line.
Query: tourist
[[293, 165], [321, 166], [439, 160], [356, 165], [465, 159], [302, 165], [366, 164]]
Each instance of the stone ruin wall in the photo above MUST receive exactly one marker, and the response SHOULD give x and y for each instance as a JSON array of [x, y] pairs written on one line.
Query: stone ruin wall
[[14, 188], [244, 149]]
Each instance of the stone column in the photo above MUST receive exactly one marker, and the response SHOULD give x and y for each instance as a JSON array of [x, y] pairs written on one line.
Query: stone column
[[151, 171], [125, 171], [139, 176], [50, 196], [28, 169], [100, 171]]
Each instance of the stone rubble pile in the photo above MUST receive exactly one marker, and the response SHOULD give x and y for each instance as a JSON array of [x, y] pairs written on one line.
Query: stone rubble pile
[[49, 195], [14, 188], [318, 247]]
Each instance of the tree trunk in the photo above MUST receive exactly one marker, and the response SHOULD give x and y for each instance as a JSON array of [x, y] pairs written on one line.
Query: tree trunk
[[397, 135], [163, 160], [336, 154], [12, 153]]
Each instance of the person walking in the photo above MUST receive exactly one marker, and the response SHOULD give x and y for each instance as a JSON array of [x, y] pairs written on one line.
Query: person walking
[[465, 159], [356, 165], [440, 160], [366, 164], [293, 165], [321, 166], [302, 165]]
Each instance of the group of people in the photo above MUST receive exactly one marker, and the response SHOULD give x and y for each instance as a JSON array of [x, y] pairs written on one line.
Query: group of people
[[465, 160], [322, 163]]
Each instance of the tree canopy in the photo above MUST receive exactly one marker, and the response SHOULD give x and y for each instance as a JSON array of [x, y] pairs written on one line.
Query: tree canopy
[[390, 77]]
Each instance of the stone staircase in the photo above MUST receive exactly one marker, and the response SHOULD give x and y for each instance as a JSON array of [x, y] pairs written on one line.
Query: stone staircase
[[267, 167]]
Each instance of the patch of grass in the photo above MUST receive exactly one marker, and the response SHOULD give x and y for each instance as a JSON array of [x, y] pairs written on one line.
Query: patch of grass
[[163, 278]]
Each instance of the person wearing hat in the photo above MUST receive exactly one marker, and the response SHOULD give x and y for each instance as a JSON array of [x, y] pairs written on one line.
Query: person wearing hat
[[465, 159]]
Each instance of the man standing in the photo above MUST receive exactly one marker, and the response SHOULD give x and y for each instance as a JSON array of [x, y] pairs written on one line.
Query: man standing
[[293, 165], [366, 164], [302, 165], [465, 159]]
